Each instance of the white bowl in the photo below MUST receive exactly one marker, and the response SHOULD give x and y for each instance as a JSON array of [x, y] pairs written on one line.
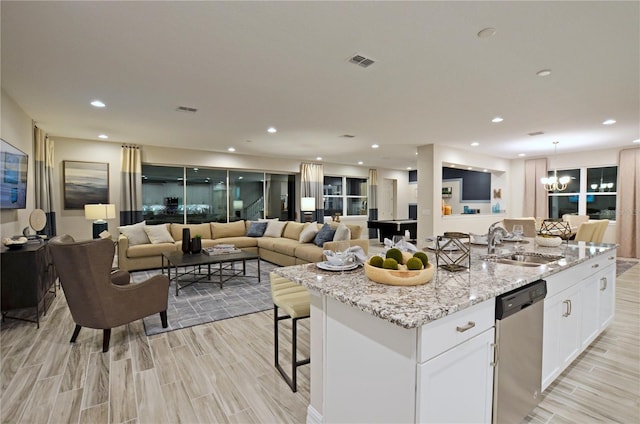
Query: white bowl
[[548, 241]]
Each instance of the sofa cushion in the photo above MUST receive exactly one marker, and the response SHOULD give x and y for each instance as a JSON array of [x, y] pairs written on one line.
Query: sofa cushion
[[309, 252], [227, 229], [256, 229], [144, 250], [239, 242], [266, 242], [135, 233], [308, 233], [158, 234], [285, 246], [275, 228], [356, 230], [203, 230], [325, 234], [292, 230], [342, 233]]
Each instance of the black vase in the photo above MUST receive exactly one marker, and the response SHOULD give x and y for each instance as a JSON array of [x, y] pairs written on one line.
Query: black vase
[[186, 240], [196, 245]]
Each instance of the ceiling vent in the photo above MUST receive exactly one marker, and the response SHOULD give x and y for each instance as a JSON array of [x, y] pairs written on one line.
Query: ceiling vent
[[361, 60], [533, 134], [347, 136], [186, 109]]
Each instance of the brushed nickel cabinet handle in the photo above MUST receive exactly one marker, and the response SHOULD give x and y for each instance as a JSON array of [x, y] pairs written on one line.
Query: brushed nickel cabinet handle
[[595, 265], [567, 312], [495, 354], [464, 328], [603, 283]]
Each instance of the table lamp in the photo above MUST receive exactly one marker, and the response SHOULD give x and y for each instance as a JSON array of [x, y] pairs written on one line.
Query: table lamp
[[99, 214], [307, 206]]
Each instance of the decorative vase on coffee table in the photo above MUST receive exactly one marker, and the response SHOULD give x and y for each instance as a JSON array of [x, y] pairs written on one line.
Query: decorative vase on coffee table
[[196, 245], [186, 240]]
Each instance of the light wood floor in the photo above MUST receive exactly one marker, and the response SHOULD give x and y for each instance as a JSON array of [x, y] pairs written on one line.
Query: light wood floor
[[223, 372]]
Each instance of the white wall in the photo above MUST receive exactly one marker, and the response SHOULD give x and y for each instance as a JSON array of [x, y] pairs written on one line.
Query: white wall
[[16, 129]]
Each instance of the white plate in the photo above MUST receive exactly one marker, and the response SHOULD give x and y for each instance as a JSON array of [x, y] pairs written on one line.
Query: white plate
[[480, 243], [328, 267]]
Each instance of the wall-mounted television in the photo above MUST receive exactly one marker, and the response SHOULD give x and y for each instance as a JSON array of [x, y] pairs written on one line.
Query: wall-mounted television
[[13, 177]]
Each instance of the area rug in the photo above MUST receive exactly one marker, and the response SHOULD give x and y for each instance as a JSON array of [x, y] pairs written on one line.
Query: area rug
[[205, 302], [623, 265]]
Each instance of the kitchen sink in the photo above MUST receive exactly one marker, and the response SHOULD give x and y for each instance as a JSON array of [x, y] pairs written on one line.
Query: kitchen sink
[[529, 259]]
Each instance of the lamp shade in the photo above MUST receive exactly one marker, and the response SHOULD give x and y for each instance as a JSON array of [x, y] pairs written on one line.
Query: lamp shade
[[100, 211], [308, 204]]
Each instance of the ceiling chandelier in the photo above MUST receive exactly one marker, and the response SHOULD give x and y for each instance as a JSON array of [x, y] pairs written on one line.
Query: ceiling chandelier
[[554, 183]]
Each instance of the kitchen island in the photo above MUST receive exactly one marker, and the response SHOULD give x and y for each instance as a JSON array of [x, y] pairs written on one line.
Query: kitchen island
[[424, 353]]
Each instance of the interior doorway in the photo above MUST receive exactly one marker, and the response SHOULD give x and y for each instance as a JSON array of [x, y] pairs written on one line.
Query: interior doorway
[[387, 201]]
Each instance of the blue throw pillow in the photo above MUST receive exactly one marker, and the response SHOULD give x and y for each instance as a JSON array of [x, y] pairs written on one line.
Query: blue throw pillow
[[325, 234], [257, 229]]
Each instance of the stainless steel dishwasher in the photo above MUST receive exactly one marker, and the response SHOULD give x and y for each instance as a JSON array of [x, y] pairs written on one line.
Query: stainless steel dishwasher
[[518, 362]]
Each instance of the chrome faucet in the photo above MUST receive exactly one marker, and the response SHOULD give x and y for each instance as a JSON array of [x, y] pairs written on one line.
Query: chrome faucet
[[492, 236]]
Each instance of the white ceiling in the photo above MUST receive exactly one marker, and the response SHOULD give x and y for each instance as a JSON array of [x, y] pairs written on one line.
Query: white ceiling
[[249, 65]]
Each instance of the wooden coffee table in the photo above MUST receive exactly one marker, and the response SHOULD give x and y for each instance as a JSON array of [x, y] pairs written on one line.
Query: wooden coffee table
[[225, 270]]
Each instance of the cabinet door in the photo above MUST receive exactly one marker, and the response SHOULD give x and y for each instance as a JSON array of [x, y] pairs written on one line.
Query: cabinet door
[[457, 386], [561, 333], [588, 310], [607, 296]]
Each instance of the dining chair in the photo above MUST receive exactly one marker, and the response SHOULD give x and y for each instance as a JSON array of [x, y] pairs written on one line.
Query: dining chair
[[592, 231]]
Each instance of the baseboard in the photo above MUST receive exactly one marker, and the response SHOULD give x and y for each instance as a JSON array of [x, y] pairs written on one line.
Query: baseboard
[[313, 416]]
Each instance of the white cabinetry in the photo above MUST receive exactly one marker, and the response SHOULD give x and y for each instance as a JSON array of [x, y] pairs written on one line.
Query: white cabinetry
[[578, 307]]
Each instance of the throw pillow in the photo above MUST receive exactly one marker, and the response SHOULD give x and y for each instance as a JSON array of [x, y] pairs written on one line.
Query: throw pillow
[[325, 234], [158, 234], [342, 233], [292, 230], [135, 233], [274, 228], [308, 232], [257, 229]]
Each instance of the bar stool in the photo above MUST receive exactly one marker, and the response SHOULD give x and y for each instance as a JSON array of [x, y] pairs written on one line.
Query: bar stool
[[295, 301]]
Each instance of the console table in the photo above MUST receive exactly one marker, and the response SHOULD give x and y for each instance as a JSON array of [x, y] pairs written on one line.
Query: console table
[[28, 275]]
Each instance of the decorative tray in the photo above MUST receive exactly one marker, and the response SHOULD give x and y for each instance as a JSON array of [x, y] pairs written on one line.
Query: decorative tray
[[400, 277]]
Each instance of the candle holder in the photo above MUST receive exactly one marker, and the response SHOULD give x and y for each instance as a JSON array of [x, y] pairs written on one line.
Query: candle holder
[[453, 251]]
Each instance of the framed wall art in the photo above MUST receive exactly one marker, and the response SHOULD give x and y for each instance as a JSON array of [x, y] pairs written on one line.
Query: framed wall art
[[85, 183]]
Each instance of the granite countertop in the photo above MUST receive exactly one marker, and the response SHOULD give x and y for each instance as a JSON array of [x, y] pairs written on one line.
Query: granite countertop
[[448, 292]]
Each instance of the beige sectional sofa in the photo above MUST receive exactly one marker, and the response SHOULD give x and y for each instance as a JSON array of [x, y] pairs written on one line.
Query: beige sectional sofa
[[284, 250]]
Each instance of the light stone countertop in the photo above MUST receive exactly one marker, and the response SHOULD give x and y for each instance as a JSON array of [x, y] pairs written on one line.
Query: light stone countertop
[[448, 292]]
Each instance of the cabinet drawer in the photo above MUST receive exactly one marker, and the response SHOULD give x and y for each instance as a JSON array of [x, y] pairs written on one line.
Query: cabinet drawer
[[443, 334], [561, 281]]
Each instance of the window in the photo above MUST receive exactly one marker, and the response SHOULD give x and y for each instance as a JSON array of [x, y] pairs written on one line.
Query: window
[[349, 202], [195, 195], [591, 191]]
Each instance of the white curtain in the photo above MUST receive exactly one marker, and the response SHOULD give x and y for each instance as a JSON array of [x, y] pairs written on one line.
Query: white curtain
[[536, 199], [131, 179], [312, 180], [43, 148], [628, 213]]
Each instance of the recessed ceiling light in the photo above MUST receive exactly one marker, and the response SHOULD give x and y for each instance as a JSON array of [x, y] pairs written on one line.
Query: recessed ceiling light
[[97, 103], [272, 130], [487, 32], [475, 143], [408, 168], [485, 170], [374, 146], [103, 136], [319, 158], [497, 119], [231, 149], [453, 165], [360, 162], [196, 169], [636, 141], [609, 122], [469, 168], [522, 154], [544, 73]]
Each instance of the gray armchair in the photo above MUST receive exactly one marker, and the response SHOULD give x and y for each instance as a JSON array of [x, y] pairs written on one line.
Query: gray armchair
[[94, 300]]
